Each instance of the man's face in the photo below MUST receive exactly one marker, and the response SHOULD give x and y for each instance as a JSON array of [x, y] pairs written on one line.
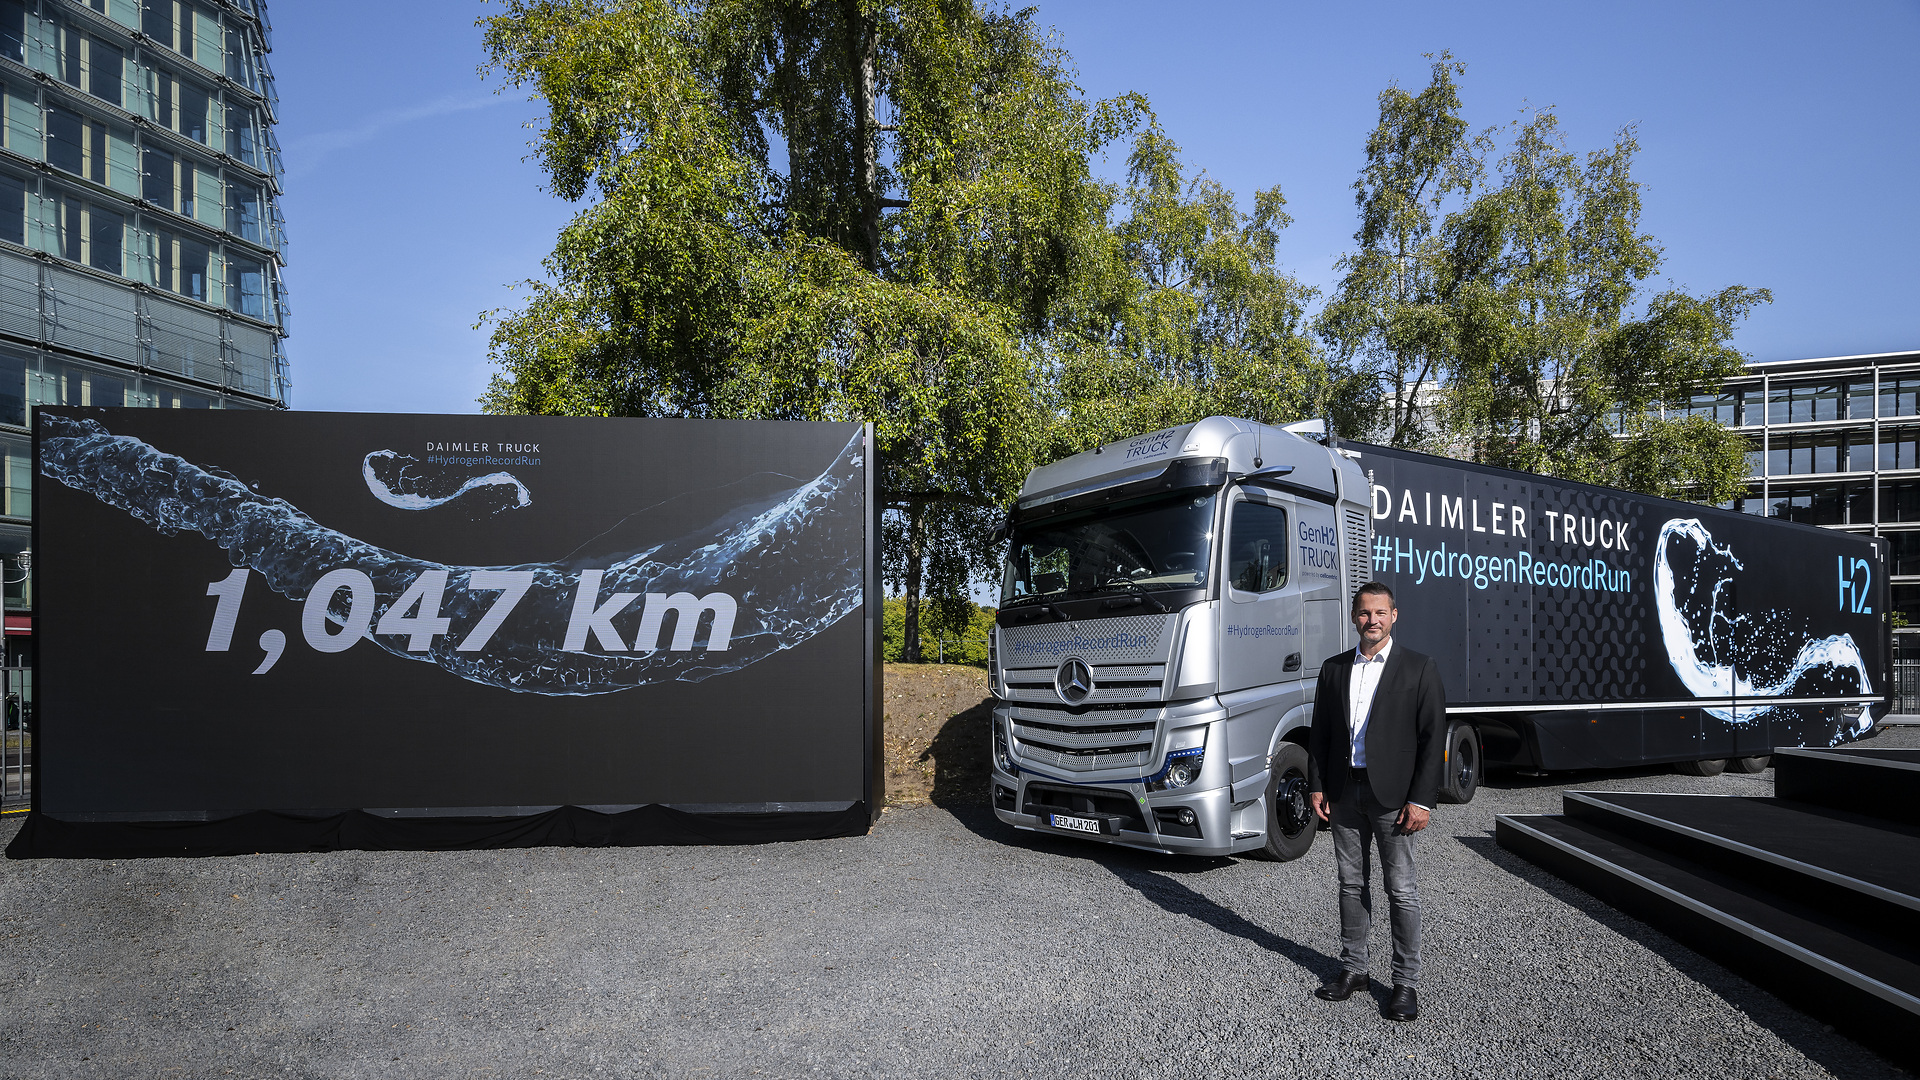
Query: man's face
[[1373, 616]]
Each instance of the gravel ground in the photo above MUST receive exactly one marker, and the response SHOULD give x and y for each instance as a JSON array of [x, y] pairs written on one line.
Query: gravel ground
[[942, 944]]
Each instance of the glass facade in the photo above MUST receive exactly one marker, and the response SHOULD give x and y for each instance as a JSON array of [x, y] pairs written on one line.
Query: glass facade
[[1834, 443], [141, 245]]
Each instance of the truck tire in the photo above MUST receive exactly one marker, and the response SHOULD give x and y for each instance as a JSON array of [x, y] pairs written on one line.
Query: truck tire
[[1461, 776], [1749, 764], [1709, 767], [1291, 823]]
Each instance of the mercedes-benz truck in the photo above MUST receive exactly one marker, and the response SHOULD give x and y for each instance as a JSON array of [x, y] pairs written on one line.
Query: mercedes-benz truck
[[1167, 602]]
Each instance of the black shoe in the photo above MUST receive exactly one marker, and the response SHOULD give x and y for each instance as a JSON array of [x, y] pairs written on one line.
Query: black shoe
[[1403, 1005], [1342, 986]]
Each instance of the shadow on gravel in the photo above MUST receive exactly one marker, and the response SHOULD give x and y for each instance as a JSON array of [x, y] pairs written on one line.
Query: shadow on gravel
[[1153, 877], [1835, 1052]]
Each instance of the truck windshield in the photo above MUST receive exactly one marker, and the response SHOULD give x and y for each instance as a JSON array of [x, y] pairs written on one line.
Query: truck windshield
[[1157, 543]]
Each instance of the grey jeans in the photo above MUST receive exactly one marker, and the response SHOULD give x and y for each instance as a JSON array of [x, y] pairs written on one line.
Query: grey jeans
[[1356, 819]]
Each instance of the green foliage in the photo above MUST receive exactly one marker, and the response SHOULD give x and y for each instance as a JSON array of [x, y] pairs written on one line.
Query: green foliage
[[1516, 329], [884, 210], [958, 637], [1187, 313], [709, 280]]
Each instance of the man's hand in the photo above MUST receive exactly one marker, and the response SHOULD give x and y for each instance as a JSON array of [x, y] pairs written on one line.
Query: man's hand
[[1412, 818], [1318, 800]]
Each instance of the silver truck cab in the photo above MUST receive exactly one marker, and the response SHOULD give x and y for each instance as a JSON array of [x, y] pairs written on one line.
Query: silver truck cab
[[1166, 604]]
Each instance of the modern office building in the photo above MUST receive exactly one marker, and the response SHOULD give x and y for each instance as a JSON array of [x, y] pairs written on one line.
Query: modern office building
[[140, 242], [1835, 442]]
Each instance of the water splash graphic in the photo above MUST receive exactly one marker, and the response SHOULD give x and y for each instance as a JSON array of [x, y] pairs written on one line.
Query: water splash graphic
[[1709, 643], [408, 483], [767, 556]]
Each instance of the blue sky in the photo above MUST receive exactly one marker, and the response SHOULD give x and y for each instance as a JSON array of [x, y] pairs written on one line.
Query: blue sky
[[1781, 148]]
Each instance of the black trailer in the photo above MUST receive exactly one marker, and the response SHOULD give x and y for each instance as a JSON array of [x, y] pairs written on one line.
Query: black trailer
[[1579, 626]]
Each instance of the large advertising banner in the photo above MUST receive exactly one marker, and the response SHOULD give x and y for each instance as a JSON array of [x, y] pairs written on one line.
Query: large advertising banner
[[1695, 631], [452, 616]]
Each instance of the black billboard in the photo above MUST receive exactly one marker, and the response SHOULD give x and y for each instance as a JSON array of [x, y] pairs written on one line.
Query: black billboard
[[1618, 627], [412, 617]]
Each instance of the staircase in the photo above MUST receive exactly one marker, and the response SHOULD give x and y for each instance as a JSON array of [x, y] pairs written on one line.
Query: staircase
[[1813, 894]]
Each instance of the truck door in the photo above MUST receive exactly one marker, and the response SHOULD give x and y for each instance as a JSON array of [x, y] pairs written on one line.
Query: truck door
[[1260, 641], [1317, 572]]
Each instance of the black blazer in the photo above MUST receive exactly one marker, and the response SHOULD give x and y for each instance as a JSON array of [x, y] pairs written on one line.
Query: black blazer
[[1406, 731]]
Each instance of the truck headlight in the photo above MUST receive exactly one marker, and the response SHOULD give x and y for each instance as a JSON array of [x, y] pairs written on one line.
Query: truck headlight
[[1182, 769], [1002, 754]]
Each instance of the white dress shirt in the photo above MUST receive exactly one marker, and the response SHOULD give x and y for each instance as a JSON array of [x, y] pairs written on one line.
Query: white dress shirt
[[1360, 691]]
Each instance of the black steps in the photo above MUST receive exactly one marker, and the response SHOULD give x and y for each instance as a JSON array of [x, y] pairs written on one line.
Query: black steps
[[1809, 897]]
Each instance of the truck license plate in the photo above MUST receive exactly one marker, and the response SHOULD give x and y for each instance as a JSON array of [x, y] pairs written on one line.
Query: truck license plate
[[1077, 824]]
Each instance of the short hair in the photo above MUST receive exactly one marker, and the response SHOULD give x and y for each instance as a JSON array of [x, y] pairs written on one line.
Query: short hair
[[1376, 588]]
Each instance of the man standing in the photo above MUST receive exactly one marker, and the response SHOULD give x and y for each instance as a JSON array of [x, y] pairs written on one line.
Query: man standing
[[1379, 723]]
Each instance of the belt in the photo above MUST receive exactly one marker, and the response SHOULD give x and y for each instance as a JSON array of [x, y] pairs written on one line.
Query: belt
[[1357, 774]]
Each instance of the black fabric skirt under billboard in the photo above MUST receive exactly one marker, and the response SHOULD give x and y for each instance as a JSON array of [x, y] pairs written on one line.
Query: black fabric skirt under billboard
[[672, 615], [265, 831]]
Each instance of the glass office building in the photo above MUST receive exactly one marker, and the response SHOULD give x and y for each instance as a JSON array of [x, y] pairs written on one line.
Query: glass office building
[[1834, 442], [140, 239]]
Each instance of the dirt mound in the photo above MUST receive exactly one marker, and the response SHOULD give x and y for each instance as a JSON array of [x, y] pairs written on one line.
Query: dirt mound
[[939, 733]]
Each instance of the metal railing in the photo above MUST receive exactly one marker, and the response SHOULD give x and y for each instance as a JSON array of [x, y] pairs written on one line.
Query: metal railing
[[1906, 672], [16, 740]]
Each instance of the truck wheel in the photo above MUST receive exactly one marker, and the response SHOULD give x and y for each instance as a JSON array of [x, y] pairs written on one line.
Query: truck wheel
[[1290, 819], [1709, 767], [1461, 777], [1749, 764]]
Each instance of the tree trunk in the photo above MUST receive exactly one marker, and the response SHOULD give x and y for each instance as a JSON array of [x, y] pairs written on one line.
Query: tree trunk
[[910, 633], [863, 43], [792, 88]]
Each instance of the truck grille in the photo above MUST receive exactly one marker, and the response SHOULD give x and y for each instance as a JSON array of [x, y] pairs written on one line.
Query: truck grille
[[1093, 740]]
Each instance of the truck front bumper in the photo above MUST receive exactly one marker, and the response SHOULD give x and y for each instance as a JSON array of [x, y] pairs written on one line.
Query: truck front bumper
[[1126, 814]]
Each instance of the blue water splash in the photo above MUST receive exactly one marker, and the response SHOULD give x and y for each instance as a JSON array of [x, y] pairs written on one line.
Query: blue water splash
[[407, 483], [767, 556], [1703, 635]]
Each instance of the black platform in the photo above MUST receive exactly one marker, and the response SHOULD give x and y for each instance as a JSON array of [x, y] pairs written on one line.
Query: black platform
[[1813, 894]]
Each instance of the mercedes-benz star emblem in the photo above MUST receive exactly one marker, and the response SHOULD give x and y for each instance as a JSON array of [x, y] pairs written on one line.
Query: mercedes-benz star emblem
[[1073, 681]]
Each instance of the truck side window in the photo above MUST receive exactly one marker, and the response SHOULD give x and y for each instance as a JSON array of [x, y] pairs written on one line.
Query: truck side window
[[1257, 547]]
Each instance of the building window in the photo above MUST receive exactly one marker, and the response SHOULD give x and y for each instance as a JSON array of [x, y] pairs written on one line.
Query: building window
[[1899, 397], [106, 72], [1825, 505], [1900, 501], [13, 209], [156, 21], [243, 212], [1788, 455], [156, 178], [1802, 404], [13, 389], [247, 287], [1900, 448], [106, 240], [194, 105], [66, 145], [13, 30], [16, 470], [1904, 552], [124, 12]]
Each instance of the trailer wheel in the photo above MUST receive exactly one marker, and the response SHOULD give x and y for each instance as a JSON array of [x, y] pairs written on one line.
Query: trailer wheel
[[1749, 764], [1291, 823], [1461, 777], [1709, 767]]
